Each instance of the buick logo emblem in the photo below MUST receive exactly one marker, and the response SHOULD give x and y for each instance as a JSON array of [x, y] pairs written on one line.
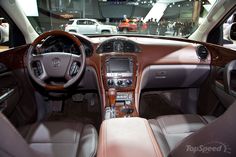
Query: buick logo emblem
[[56, 62]]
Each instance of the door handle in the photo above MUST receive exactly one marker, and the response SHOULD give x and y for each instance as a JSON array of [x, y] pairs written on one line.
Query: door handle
[[6, 93]]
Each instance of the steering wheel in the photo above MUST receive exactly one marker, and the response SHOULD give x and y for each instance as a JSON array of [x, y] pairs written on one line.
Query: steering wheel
[[55, 65]]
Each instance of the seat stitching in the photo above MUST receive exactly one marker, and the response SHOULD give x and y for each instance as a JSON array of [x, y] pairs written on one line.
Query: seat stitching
[[151, 135], [164, 126], [27, 138], [203, 119], [94, 143], [8, 153], [81, 131], [158, 125]]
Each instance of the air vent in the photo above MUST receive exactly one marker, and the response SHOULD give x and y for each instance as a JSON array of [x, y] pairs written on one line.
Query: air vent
[[202, 52]]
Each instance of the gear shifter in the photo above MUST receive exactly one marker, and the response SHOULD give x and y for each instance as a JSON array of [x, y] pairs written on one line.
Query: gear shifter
[[112, 96], [112, 102]]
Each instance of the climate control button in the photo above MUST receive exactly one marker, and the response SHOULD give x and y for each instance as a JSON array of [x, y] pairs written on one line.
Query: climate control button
[[120, 82], [110, 82], [129, 82]]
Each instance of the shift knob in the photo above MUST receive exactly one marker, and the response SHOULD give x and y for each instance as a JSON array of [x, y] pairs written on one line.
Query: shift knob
[[112, 96]]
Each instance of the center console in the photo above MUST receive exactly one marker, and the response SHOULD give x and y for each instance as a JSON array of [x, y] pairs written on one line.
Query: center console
[[119, 73], [131, 137]]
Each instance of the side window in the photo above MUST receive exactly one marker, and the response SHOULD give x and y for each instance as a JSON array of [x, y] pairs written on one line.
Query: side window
[[81, 22], [10, 34], [229, 31], [4, 33], [91, 23]]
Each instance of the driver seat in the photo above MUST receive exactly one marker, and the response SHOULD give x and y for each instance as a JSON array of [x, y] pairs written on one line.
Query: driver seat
[[48, 139]]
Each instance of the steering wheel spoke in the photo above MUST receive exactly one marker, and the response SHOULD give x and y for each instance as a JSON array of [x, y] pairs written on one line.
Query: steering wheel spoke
[[35, 58], [77, 58], [43, 76]]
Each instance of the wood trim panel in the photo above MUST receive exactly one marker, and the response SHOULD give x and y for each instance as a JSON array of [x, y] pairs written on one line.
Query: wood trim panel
[[221, 55], [14, 58]]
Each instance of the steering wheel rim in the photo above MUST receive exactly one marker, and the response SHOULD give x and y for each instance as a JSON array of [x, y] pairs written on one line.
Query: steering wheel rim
[[55, 59]]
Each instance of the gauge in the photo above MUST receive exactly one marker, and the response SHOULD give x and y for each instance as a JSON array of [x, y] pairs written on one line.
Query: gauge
[[118, 46]]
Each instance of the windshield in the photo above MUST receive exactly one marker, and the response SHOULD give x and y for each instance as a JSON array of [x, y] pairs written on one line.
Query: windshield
[[179, 18]]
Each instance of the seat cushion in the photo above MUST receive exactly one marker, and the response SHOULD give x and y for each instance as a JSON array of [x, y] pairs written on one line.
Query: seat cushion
[[61, 139], [170, 130]]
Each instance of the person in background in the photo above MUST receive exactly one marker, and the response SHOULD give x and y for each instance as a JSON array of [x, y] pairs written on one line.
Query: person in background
[[177, 26], [162, 27], [148, 26], [140, 25], [152, 27]]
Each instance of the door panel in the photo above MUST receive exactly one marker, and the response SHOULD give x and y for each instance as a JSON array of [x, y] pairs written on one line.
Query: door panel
[[224, 86], [9, 90]]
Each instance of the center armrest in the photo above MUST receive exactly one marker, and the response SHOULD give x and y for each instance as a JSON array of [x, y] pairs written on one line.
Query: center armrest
[[126, 137]]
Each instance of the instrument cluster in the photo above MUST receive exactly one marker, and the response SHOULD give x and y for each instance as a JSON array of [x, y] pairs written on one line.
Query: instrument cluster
[[60, 44]]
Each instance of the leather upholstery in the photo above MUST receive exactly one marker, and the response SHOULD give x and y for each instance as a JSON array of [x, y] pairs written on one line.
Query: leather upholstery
[[12, 144], [62, 139], [172, 129], [53, 139], [219, 134], [127, 137]]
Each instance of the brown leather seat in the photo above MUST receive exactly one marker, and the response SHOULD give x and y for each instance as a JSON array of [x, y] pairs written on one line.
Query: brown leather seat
[[54, 139], [170, 130], [193, 135]]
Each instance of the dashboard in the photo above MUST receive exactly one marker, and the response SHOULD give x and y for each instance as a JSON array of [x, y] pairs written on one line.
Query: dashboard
[[134, 63], [120, 60]]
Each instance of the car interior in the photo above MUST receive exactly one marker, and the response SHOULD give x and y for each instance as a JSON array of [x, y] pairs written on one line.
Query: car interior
[[64, 94]]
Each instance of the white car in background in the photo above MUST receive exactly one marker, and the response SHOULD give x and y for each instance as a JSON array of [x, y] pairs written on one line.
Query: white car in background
[[89, 26]]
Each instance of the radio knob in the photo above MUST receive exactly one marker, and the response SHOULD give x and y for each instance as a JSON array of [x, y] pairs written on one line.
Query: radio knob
[[129, 82], [119, 82], [110, 82]]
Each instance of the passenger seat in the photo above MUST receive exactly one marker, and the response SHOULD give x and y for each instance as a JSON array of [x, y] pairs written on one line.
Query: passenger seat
[[172, 129], [187, 135]]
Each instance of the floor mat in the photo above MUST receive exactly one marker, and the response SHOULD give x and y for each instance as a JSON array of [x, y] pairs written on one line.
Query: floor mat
[[81, 111], [153, 105]]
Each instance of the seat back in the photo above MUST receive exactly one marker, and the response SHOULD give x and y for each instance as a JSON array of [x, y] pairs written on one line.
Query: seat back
[[218, 139], [12, 143]]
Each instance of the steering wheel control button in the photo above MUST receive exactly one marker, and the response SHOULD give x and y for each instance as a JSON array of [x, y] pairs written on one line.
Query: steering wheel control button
[[74, 69], [37, 68]]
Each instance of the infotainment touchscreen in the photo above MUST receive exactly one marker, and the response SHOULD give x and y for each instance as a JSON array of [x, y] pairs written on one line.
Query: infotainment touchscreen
[[118, 65]]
